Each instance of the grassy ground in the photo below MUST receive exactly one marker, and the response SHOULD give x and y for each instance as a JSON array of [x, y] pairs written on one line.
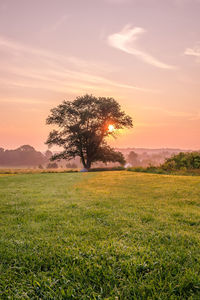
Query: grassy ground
[[160, 170], [34, 171], [107, 235]]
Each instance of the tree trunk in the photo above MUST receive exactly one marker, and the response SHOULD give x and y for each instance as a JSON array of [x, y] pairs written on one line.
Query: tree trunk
[[83, 162], [88, 165]]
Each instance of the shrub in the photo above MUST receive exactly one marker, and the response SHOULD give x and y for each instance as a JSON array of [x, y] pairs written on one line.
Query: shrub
[[107, 169], [182, 161], [71, 166], [52, 166]]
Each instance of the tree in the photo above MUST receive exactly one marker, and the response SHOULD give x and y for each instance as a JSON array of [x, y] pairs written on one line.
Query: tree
[[133, 158], [48, 154], [25, 155], [83, 125]]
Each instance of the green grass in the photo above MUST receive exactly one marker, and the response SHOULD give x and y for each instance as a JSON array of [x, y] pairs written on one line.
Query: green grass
[[106, 235], [160, 170]]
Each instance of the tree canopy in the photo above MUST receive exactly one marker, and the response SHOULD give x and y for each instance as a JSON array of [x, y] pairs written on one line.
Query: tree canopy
[[83, 125]]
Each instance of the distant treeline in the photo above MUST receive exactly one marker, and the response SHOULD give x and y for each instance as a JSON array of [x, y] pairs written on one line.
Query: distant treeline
[[25, 155], [147, 158]]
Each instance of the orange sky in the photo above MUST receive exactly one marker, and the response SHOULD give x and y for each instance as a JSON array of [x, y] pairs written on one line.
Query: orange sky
[[145, 54]]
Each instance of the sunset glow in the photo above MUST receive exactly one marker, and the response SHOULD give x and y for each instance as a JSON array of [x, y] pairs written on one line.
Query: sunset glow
[[111, 128], [144, 54]]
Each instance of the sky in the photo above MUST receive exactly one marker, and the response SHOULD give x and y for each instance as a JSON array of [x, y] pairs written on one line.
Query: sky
[[143, 53]]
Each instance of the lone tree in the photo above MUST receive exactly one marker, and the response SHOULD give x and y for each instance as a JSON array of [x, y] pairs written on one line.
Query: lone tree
[[83, 125]]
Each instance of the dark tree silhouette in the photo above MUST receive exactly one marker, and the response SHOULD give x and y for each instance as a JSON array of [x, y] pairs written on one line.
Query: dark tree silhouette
[[25, 155], [52, 166], [83, 125], [133, 158], [48, 154]]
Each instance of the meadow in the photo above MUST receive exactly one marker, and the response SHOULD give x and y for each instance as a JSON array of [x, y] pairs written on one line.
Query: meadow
[[103, 235]]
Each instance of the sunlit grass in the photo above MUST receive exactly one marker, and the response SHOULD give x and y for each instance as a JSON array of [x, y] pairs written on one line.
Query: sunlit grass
[[108, 235], [34, 171]]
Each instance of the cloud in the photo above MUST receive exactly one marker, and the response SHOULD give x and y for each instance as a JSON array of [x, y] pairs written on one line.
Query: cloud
[[60, 22], [195, 51], [62, 81], [127, 35], [49, 70], [190, 116], [57, 25]]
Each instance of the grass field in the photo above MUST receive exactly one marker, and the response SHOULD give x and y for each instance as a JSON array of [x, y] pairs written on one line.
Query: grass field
[[106, 235]]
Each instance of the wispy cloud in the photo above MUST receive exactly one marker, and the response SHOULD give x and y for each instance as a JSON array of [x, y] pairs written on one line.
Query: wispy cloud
[[195, 51], [125, 41], [54, 26], [60, 22], [58, 69], [190, 116]]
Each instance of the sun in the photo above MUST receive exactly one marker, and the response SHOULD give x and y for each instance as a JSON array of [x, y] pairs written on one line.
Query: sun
[[111, 128]]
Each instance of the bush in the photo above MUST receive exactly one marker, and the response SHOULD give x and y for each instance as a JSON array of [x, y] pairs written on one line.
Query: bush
[[182, 161], [71, 166], [137, 169], [52, 166], [107, 169], [150, 169]]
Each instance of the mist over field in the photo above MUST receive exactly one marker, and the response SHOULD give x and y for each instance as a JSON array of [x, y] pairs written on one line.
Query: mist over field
[[26, 156]]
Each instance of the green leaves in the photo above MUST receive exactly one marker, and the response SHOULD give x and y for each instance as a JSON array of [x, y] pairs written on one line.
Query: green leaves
[[181, 161]]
